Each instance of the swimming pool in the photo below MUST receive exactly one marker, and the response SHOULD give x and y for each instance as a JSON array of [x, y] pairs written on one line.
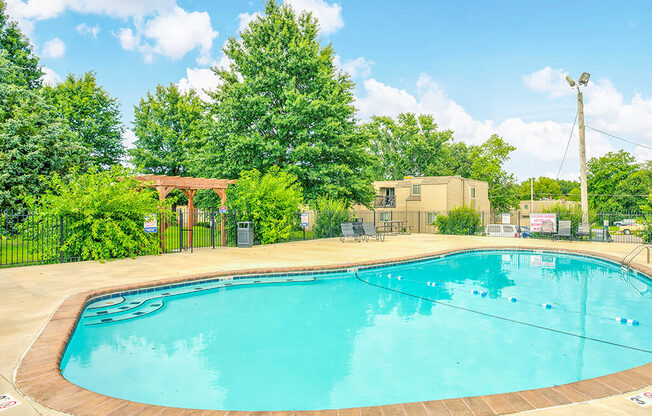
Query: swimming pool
[[467, 324]]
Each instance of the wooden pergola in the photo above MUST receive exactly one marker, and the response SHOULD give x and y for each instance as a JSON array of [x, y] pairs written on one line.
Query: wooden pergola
[[189, 186]]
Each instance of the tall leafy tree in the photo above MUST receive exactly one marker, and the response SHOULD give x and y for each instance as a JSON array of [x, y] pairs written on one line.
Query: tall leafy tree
[[18, 50], [487, 164], [283, 103], [92, 115], [409, 145], [34, 141], [617, 183], [168, 125]]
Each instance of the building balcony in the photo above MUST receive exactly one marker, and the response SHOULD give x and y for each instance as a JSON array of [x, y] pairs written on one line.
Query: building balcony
[[385, 201]]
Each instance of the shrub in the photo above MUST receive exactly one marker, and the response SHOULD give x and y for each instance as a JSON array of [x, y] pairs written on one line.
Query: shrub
[[459, 221], [330, 213], [271, 201], [646, 231], [103, 214]]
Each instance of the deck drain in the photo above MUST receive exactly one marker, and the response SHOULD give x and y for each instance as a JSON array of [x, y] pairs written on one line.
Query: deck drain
[[164, 294], [138, 313], [198, 288], [107, 320], [135, 303], [123, 307], [102, 312]]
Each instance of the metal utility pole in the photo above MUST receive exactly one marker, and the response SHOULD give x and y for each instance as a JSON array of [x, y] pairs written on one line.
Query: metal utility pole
[[584, 80], [583, 186]]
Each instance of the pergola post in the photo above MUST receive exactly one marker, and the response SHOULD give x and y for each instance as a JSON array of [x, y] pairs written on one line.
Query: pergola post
[[163, 192], [190, 193], [222, 194]]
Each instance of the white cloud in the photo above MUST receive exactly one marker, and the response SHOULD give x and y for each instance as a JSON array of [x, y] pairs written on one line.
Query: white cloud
[[329, 15], [129, 139], [540, 144], [200, 80], [90, 31], [50, 77], [549, 80], [54, 48], [245, 19], [26, 12], [356, 68], [172, 35]]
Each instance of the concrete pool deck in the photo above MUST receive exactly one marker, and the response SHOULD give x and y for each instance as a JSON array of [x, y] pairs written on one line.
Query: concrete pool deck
[[30, 295]]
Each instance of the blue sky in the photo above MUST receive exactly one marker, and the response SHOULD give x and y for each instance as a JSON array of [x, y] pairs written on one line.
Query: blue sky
[[480, 67]]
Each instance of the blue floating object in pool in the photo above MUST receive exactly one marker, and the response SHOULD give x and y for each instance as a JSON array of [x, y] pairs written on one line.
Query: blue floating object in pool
[[474, 292], [513, 300], [483, 294], [634, 322], [546, 305]]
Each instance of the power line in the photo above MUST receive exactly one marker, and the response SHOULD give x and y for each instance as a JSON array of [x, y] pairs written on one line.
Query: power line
[[619, 138], [567, 144]]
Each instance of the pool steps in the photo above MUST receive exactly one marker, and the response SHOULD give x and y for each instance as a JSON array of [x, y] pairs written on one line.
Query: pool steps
[[122, 309]]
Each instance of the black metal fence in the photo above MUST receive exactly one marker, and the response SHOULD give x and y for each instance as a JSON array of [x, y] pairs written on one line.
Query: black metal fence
[[26, 240]]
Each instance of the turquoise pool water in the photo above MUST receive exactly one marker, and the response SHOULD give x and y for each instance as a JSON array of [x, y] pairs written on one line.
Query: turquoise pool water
[[340, 341]]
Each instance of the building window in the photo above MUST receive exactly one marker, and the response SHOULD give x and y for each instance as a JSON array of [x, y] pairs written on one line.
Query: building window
[[432, 217], [472, 192], [416, 189], [384, 216], [526, 206]]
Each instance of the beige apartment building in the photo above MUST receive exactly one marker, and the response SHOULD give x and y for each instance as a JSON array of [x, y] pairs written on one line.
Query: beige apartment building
[[431, 193]]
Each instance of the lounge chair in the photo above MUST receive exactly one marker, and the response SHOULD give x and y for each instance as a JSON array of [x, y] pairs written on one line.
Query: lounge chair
[[370, 231], [583, 230], [564, 231], [547, 229], [347, 231]]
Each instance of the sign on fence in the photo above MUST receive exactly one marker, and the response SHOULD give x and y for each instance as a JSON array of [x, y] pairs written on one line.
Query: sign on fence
[[150, 225], [537, 219], [304, 219], [222, 210], [507, 218]]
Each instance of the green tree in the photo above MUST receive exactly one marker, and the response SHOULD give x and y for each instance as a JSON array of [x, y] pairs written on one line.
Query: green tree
[[34, 141], [104, 212], [92, 115], [617, 183], [486, 164], [271, 201], [283, 103], [411, 145], [18, 50], [168, 125], [543, 188]]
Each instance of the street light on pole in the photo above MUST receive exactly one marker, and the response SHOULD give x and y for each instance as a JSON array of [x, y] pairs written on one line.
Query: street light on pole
[[583, 81]]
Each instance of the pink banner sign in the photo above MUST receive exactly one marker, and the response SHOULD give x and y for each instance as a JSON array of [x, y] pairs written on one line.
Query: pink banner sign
[[537, 219]]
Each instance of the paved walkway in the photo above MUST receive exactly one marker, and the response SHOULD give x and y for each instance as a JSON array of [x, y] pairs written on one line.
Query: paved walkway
[[29, 295]]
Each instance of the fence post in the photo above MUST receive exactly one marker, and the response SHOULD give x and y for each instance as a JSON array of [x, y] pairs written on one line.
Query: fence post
[[213, 229], [419, 222], [61, 239], [180, 231], [519, 220]]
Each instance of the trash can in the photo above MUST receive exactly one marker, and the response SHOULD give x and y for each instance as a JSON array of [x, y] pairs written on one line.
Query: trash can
[[245, 234], [357, 226]]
